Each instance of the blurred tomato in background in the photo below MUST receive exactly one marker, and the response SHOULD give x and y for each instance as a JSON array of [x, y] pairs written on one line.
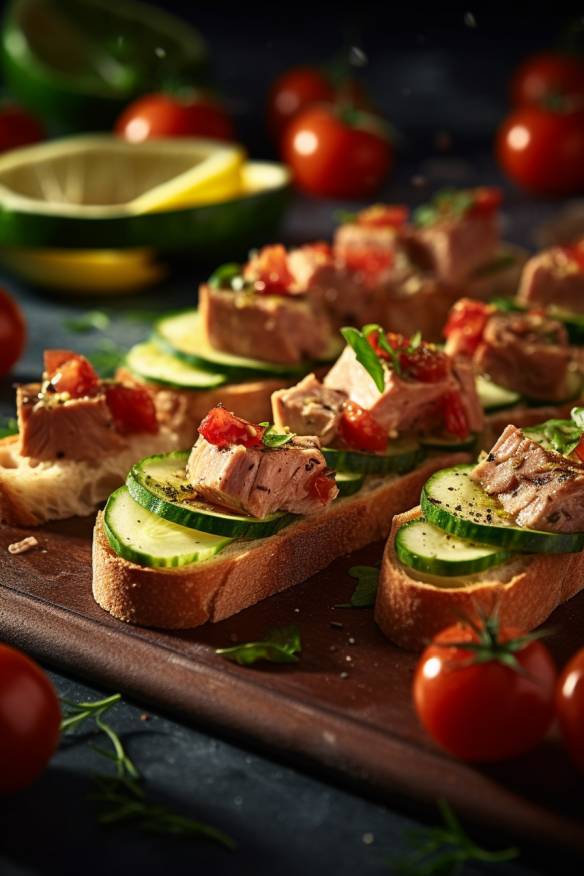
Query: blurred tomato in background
[[547, 75], [12, 332], [168, 115], [18, 127]]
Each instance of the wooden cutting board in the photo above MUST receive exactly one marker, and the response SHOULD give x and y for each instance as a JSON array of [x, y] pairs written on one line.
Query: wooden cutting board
[[344, 708]]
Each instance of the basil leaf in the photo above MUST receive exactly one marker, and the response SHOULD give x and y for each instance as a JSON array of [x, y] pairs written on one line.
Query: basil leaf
[[8, 427], [91, 321], [448, 203], [273, 438], [280, 645], [577, 414], [365, 592], [223, 277], [384, 344], [366, 355]]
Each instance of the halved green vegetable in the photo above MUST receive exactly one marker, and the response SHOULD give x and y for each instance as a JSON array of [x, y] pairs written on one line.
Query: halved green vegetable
[[493, 397], [159, 484], [149, 540], [425, 548], [401, 456], [151, 363], [453, 502]]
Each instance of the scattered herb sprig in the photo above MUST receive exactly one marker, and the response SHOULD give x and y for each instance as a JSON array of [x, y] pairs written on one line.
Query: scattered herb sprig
[[90, 321], [366, 355], [365, 592], [122, 797], [448, 203], [273, 438], [280, 645], [444, 850]]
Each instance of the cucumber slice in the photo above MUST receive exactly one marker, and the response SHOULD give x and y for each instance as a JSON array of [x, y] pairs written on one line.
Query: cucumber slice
[[493, 397], [349, 482], [453, 502], [425, 548], [400, 457], [152, 363], [147, 539], [183, 335], [450, 443], [158, 483]]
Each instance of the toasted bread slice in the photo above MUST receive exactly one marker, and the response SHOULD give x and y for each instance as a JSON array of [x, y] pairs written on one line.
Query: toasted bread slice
[[524, 591], [33, 492], [247, 571], [181, 410]]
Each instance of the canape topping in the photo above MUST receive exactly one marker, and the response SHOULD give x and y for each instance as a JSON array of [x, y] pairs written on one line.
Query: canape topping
[[451, 205], [382, 216], [223, 429], [359, 429]]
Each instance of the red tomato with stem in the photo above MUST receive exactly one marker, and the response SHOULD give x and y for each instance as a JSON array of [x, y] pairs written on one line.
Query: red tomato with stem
[[169, 115], [570, 707], [545, 75], [543, 150], [18, 127], [485, 693], [360, 430], [293, 91], [223, 428], [30, 719], [338, 152], [12, 332]]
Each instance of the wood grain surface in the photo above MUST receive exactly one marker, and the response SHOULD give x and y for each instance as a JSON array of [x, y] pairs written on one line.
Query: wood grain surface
[[344, 709]]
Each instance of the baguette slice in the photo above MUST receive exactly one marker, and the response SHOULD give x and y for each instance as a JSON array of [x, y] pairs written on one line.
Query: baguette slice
[[33, 492], [181, 410], [524, 590], [248, 571]]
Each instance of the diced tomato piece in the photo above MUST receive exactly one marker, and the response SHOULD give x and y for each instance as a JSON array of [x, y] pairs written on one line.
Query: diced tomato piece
[[132, 409], [322, 486], [383, 216], [70, 372], [360, 430], [455, 418], [269, 271], [321, 247], [369, 261], [424, 362], [575, 253], [487, 199], [466, 324], [579, 449], [223, 428]]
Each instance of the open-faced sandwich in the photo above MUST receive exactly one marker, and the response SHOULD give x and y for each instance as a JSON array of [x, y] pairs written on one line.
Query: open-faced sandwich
[[505, 535], [254, 508], [527, 369], [78, 435]]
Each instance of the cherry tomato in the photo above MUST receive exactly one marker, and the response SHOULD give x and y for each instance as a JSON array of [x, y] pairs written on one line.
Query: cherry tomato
[[72, 373], [543, 151], [29, 720], [338, 153], [12, 332], [322, 486], [292, 92], [454, 413], [269, 271], [570, 707], [18, 127], [360, 430], [132, 409], [473, 704], [165, 115], [222, 428], [466, 324], [546, 75]]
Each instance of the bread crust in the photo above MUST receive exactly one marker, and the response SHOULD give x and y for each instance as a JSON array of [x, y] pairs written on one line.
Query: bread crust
[[523, 591], [238, 578]]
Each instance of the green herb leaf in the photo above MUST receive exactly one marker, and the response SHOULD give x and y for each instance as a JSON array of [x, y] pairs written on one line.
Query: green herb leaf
[[107, 358], [577, 415], [224, 275], [445, 849], [414, 343], [507, 305], [366, 355], [273, 438], [365, 592], [563, 436], [281, 645], [90, 321], [448, 203], [345, 217], [8, 427], [384, 344]]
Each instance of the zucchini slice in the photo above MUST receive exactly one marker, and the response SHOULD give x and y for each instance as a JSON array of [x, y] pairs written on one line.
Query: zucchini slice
[[152, 363], [183, 335], [425, 548], [400, 457], [453, 502], [158, 483], [349, 482], [147, 539], [493, 397]]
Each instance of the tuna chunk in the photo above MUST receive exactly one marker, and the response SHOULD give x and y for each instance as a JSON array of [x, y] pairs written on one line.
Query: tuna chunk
[[465, 374], [539, 488], [258, 480], [51, 428], [556, 277], [404, 404], [276, 328], [309, 408], [453, 249], [527, 353]]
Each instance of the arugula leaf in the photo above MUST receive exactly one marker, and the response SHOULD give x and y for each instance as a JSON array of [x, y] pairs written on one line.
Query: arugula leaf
[[280, 645], [273, 438], [8, 427], [562, 436], [90, 321], [366, 590], [577, 414], [366, 355]]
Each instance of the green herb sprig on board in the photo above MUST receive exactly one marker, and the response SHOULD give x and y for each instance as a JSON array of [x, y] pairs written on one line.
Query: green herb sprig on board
[[280, 645], [365, 592]]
